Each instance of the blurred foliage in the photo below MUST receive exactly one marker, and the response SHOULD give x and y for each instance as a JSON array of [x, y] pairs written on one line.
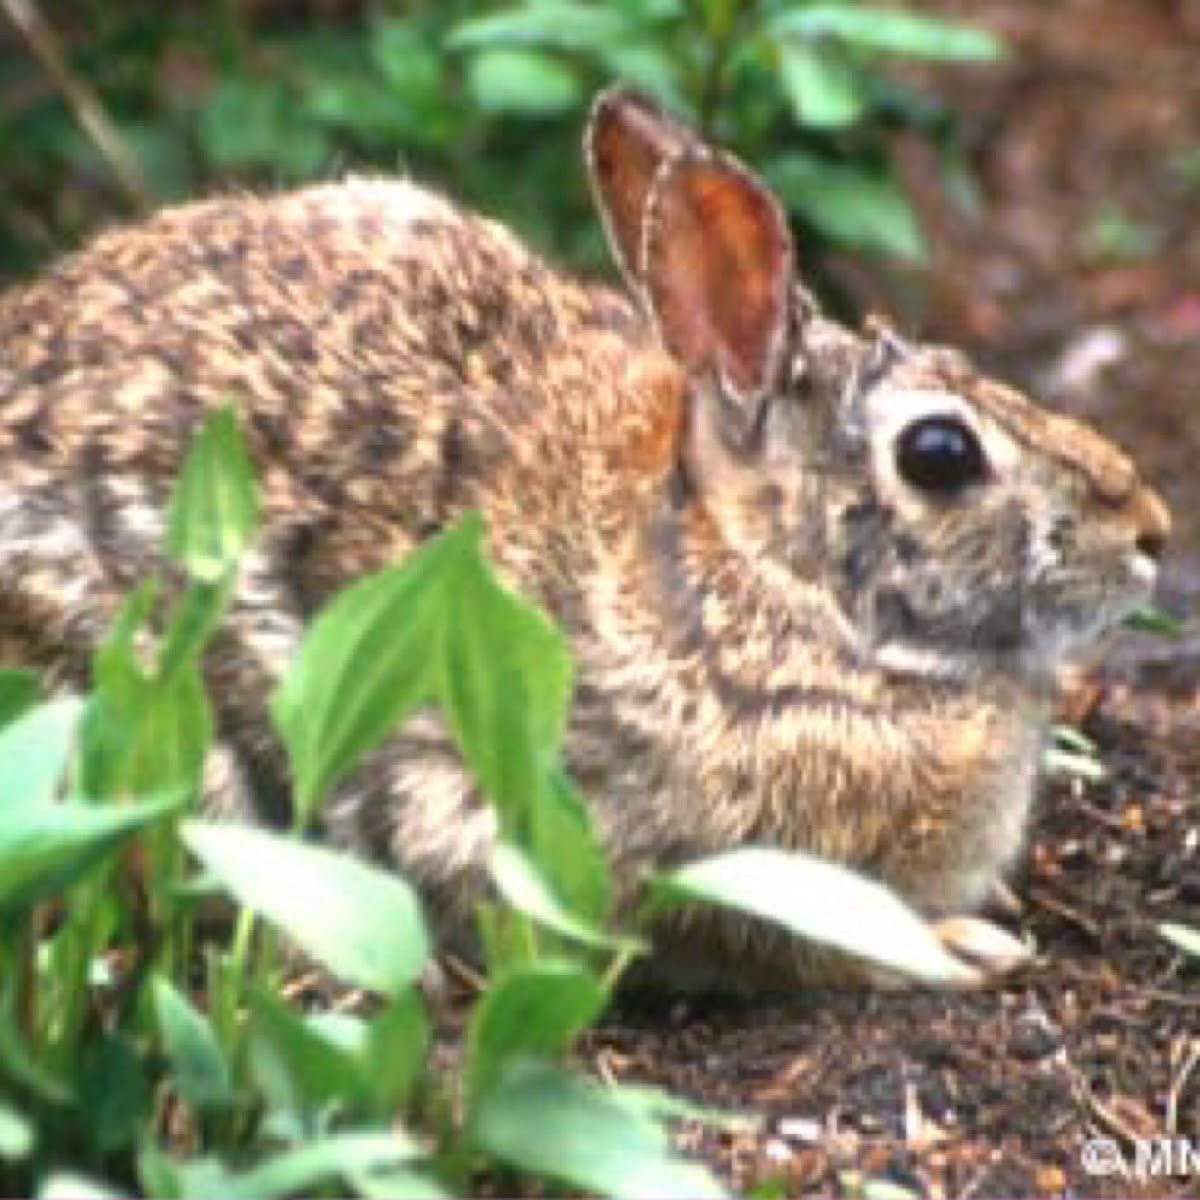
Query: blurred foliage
[[486, 99]]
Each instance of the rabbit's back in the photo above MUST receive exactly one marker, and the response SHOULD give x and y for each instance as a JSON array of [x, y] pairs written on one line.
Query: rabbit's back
[[391, 359]]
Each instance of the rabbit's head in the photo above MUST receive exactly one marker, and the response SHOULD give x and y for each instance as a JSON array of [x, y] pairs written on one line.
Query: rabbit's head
[[956, 527]]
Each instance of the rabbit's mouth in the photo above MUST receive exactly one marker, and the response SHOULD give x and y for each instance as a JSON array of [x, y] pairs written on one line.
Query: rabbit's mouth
[[1075, 622]]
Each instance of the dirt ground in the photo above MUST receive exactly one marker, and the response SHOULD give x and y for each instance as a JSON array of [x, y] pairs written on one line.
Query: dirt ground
[[1081, 281]]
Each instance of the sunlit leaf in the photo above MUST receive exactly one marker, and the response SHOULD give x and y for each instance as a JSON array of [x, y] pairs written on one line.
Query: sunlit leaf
[[541, 1120], [361, 922], [819, 901], [889, 30], [213, 516]]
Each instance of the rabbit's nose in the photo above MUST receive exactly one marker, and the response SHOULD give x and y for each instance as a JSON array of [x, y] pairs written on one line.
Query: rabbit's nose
[[1153, 521]]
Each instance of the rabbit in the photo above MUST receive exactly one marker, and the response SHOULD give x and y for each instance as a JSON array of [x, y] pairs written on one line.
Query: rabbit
[[817, 583]]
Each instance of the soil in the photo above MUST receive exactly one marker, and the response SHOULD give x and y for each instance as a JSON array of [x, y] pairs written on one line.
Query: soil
[[1079, 279]]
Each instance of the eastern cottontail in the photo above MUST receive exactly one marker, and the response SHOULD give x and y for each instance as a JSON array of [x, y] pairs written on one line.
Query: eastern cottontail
[[817, 584]]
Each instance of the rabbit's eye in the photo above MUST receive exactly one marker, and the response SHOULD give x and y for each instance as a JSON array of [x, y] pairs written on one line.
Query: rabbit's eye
[[941, 455]]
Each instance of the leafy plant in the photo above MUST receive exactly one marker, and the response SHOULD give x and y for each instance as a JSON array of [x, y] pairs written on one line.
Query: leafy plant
[[139, 1050], [457, 92]]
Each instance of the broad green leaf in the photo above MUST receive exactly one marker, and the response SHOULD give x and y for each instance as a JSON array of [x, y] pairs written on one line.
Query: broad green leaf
[[534, 1011], [291, 1172], [541, 1120], [362, 923], [1186, 938], [45, 848], [823, 89], [143, 734], [35, 750], [849, 204], [888, 30], [17, 1136], [567, 850], [564, 26], [505, 684], [523, 83], [198, 1069], [397, 1185], [66, 1185], [193, 622], [113, 1092], [214, 513], [522, 886], [393, 1056], [19, 690], [820, 901], [299, 1070], [366, 663]]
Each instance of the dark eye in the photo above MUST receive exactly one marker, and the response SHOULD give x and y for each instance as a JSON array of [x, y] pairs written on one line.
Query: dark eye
[[940, 455]]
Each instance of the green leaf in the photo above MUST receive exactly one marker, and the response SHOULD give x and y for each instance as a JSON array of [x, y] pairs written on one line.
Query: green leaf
[[198, 1070], [43, 849], [66, 1185], [888, 30], [365, 664], [824, 90], [563, 26], [301, 1170], [113, 1092], [523, 887], [817, 900], [17, 1063], [299, 1070], [397, 1185], [248, 124], [1156, 623], [17, 1136], [524, 83], [143, 733], [393, 1057], [1186, 938], [541, 1120], [34, 752], [505, 684], [363, 923], [19, 690], [534, 1011], [849, 204], [214, 513]]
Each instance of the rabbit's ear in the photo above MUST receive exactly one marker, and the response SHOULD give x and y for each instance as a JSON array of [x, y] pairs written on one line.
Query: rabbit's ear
[[717, 265], [628, 140]]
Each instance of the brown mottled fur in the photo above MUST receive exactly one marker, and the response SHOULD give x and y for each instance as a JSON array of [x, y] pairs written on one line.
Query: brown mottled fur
[[396, 362]]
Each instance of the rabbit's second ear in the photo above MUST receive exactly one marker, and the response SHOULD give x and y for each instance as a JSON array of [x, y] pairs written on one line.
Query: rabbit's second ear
[[717, 265]]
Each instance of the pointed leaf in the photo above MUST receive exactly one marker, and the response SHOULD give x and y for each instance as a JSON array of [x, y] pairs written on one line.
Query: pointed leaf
[[888, 30], [534, 1011], [824, 90], [34, 752], [539, 1119], [19, 690], [819, 901], [361, 922], [366, 663], [214, 513], [298, 1069], [198, 1069], [522, 82], [44, 849], [522, 886]]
